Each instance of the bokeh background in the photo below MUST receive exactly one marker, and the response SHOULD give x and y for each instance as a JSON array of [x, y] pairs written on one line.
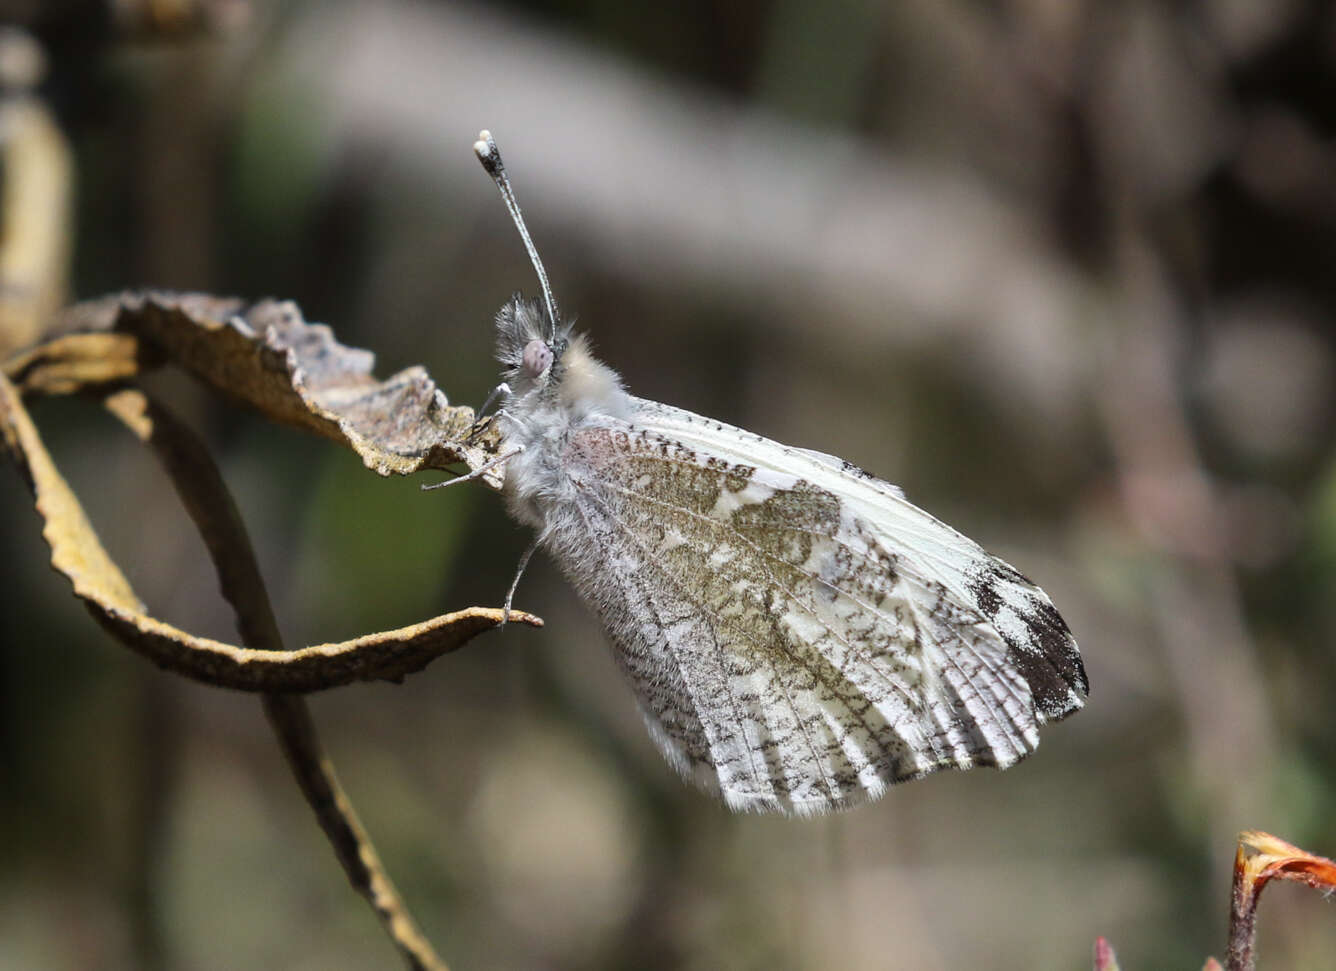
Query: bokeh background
[[1065, 270]]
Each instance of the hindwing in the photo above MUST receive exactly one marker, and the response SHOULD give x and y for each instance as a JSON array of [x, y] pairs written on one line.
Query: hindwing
[[800, 636]]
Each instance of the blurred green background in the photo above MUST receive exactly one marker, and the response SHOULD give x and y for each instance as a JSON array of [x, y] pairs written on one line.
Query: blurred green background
[[1062, 270]]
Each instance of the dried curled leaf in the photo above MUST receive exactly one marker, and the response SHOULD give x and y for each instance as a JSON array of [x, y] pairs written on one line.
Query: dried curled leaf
[[382, 656], [293, 372], [77, 553], [101, 313], [1263, 857]]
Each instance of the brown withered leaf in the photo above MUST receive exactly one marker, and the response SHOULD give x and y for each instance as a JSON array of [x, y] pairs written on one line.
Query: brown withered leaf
[[78, 554], [382, 656], [1262, 857], [101, 313], [294, 372]]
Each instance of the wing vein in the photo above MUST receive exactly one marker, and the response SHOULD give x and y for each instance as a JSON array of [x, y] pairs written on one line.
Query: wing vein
[[811, 745], [926, 635], [718, 649], [914, 704], [852, 646]]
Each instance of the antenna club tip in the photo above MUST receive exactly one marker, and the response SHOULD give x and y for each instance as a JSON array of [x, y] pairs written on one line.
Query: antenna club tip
[[488, 154], [485, 146], [490, 157]]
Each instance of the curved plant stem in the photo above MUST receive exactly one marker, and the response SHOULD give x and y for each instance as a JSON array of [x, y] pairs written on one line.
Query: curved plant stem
[[209, 503], [296, 733]]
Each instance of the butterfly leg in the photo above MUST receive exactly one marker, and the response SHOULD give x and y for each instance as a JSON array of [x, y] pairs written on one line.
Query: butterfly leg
[[481, 420], [509, 416], [524, 562], [501, 389], [476, 473]]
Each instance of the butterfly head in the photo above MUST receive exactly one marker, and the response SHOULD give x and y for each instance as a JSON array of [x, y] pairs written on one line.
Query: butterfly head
[[559, 371], [528, 347]]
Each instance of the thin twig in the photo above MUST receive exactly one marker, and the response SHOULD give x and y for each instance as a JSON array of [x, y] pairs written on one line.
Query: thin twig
[[292, 723], [209, 503], [1243, 899], [151, 782]]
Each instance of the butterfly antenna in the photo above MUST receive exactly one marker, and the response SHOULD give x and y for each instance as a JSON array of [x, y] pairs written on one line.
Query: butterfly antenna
[[490, 157]]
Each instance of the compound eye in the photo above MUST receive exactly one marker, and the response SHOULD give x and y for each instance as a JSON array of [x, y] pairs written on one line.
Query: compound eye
[[537, 358]]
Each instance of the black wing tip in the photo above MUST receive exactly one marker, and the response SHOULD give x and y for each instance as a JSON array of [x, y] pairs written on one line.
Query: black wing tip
[[1047, 655], [1057, 674]]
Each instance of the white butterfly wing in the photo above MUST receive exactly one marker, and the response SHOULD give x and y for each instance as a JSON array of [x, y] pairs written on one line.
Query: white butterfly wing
[[1022, 614], [800, 635]]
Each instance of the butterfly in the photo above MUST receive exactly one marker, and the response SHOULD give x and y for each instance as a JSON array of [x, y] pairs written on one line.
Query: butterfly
[[799, 635]]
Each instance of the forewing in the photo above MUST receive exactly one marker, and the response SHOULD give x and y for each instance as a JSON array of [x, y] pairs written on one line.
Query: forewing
[[1040, 644], [786, 648]]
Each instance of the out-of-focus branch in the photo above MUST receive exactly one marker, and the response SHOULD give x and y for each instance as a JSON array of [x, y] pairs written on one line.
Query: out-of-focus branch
[[178, 19], [1168, 498], [806, 223], [35, 197], [1167, 493]]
